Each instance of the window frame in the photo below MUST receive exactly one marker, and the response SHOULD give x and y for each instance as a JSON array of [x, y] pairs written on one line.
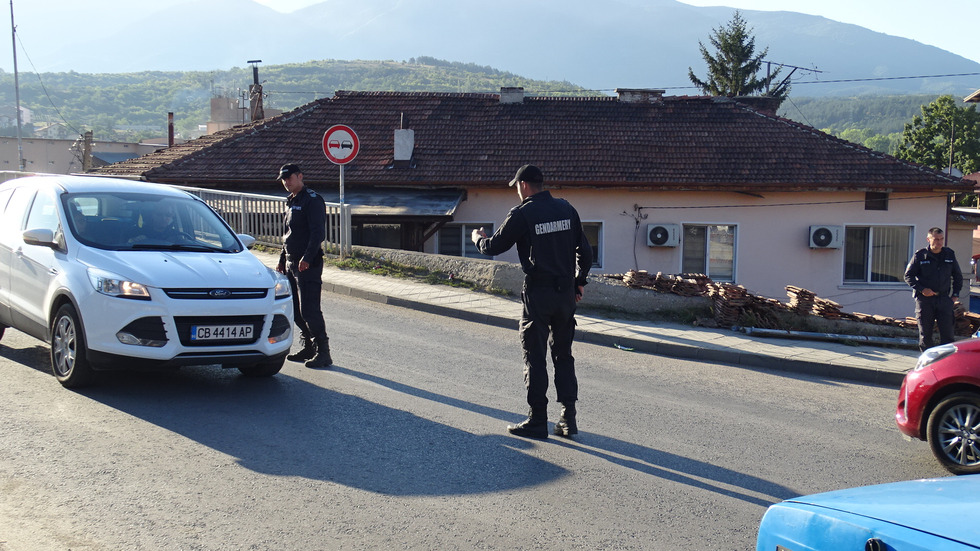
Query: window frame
[[868, 252], [706, 252], [466, 228], [597, 249]]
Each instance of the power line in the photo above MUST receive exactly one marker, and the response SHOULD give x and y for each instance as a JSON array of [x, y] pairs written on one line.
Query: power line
[[43, 87]]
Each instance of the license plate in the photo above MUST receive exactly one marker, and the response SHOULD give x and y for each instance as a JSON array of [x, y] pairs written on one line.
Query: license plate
[[220, 332]]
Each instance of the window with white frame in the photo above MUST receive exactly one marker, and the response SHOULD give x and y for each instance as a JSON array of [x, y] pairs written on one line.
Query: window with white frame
[[876, 254], [454, 239], [709, 250], [593, 232]]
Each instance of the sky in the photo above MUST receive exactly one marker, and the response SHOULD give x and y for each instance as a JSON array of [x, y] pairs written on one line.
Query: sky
[[925, 21]]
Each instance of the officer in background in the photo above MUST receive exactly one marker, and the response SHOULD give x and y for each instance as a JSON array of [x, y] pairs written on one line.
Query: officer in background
[[551, 245], [932, 272], [302, 262]]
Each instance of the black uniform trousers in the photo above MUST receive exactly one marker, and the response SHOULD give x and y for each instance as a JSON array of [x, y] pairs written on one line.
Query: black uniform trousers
[[935, 311], [549, 311], [306, 287]]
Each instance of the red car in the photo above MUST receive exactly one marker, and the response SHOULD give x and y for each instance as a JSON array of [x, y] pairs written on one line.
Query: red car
[[940, 402]]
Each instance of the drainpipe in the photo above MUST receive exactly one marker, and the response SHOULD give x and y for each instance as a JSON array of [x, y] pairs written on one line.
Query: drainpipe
[[830, 337]]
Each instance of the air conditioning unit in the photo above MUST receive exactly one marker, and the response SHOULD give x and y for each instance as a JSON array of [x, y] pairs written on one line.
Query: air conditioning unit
[[663, 235], [826, 237]]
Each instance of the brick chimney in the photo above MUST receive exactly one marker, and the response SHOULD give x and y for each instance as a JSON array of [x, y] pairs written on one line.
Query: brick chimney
[[512, 94], [766, 105], [639, 95]]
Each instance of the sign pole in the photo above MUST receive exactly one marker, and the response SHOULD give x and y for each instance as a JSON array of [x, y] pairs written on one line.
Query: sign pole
[[340, 145], [344, 225], [341, 185]]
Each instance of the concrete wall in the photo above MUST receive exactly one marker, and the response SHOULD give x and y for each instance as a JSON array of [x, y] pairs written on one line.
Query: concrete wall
[[56, 156], [495, 274]]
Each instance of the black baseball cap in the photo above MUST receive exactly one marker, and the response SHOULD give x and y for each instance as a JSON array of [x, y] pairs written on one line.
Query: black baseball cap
[[528, 173], [288, 170]]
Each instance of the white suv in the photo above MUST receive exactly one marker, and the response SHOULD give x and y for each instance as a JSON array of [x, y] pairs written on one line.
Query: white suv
[[116, 273]]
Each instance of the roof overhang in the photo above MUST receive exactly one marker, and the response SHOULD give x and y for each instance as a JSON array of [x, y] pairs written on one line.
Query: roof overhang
[[399, 204]]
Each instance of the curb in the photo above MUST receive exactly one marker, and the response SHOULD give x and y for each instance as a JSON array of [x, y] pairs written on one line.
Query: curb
[[741, 359]]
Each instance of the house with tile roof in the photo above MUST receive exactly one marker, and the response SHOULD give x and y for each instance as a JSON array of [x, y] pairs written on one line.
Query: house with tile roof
[[713, 185]]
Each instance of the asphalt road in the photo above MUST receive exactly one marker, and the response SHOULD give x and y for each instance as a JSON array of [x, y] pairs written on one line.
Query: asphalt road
[[403, 446]]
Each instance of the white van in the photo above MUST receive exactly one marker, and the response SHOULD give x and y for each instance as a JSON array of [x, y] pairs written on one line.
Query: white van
[[122, 274]]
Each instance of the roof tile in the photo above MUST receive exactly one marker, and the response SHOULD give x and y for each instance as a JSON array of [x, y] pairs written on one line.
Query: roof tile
[[473, 140]]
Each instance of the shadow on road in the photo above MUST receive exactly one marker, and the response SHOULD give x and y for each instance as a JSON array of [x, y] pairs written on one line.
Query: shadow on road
[[283, 426], [666, 465]]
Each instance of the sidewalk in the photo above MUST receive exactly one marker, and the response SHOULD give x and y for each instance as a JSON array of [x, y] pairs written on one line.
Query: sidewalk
[[831, 360]]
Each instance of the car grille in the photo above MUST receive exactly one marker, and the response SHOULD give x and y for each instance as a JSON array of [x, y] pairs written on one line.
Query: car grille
[[213, 293], [185, 323]]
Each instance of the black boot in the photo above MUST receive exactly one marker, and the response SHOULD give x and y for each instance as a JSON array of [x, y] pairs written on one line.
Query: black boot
[[306, 353], [535, 426], [322, 358], [566, 423]]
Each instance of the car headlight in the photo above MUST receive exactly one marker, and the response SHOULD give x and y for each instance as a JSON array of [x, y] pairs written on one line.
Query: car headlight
[[116, 286], [934, 354], [282, 284]]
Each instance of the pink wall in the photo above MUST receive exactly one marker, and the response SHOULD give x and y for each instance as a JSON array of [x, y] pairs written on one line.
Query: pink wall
[[771, 247]]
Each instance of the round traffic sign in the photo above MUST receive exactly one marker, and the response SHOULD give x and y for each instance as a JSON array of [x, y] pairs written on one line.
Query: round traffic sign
[[340, 144]]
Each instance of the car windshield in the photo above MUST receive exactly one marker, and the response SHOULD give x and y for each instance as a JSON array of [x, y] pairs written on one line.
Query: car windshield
[[140, 221]]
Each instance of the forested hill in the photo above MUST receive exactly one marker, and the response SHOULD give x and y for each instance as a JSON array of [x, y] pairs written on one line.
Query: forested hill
[[132, 106]]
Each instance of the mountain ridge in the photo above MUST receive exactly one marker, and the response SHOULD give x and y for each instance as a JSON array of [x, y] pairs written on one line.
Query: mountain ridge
[[625, 44]]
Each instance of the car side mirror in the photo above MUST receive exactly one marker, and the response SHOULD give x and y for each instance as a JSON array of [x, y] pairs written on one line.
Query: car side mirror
[[41, 237], [246, 240]]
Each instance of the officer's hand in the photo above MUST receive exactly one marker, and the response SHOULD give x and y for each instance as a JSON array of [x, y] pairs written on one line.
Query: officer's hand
[[579, 292], [477, 234], [281, 268], [303, 265], [927, 292]]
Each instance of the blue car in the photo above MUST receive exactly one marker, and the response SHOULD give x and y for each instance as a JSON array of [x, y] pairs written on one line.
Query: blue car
[[934, 514]]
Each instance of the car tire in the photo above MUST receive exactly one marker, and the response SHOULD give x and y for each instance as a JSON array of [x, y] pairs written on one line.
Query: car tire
[[69, 362], [262, 369], [954, 433]]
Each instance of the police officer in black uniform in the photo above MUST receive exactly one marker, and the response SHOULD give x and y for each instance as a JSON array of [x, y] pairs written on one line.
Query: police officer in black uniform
[[551, 245], [931, 273], [301, 260]]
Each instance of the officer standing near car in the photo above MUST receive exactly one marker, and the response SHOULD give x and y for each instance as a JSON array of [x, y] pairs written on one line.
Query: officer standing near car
[[556, 257], [301, 260], [932, 272]]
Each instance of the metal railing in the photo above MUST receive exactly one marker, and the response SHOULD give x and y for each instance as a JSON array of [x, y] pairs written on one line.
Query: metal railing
[[261, 216]]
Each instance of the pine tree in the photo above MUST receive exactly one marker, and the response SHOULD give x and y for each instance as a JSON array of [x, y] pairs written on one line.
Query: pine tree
[[732, 71]]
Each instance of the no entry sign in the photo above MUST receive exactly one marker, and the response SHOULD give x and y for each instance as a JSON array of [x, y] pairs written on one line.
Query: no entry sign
[[340, 144]]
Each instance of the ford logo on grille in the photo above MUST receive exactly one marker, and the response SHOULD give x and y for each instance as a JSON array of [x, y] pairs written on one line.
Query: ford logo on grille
[[220, 293]]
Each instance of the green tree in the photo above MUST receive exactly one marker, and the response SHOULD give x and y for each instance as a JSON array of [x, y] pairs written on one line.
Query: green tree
[[732, 71], [943, 129]]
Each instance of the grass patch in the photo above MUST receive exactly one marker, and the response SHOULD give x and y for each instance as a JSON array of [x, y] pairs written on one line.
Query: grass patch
[[387, 268]]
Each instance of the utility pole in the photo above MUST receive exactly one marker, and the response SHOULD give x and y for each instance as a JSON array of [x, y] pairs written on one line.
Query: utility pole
[[20, 140]]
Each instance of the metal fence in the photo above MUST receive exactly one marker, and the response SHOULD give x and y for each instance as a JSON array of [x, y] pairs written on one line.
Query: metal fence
[[261, 217]]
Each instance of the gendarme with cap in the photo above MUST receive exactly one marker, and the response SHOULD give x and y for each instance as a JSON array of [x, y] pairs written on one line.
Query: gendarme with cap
[[528, 173]]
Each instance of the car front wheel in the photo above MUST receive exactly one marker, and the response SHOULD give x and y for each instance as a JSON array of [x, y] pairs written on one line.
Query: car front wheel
[[68, 354], [954, 433]]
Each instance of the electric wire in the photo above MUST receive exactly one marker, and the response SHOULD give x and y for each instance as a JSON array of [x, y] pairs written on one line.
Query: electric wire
[[43, 87]]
